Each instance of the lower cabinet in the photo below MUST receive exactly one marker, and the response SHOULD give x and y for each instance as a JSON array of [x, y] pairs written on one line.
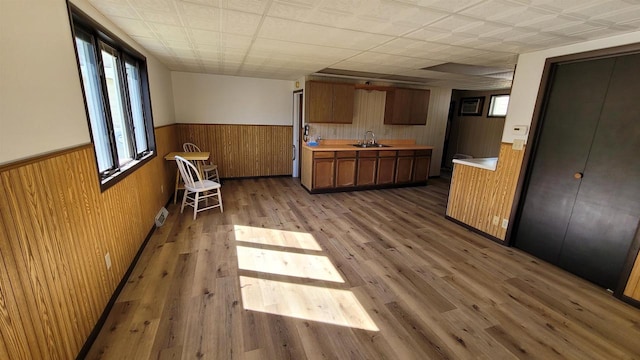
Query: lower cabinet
[[323, 170], [421, 164], [367, 166], [349, 170], [404, 166], [345, 168]]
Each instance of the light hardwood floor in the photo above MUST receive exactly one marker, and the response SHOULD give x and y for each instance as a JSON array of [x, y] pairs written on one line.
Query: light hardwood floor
[[282, 274]]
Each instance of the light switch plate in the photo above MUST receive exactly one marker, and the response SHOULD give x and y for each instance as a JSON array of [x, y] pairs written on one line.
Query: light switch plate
[[518, 144]]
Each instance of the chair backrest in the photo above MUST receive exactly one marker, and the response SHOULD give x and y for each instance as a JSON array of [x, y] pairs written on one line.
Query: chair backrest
[[188, 171], [190, 147]]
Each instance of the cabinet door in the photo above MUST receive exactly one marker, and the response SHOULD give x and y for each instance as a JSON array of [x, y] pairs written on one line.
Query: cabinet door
[[386, 170], [419, 107], [397, 107], [323, 171], [319, 99], [345, 172], [404, 169], [366, 171], [343, 96], [421, 168]]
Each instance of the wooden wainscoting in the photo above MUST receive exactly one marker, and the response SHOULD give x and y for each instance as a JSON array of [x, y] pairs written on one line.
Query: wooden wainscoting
[[632, 289], [477, 195], [243, 150], [55, 229]]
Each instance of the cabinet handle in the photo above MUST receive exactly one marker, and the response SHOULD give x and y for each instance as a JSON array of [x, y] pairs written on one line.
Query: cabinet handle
[[294, 152], [578, 175]]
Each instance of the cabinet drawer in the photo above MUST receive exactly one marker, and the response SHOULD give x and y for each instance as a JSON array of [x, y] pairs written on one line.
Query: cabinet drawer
[[387, 153], [406, 152], [345, 154], [368, 154], [423, 152], [323, 154]]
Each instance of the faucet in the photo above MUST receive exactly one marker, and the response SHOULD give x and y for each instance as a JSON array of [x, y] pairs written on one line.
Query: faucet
[[373, 137]]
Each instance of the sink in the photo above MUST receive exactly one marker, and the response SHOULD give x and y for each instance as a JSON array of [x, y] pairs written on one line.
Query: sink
[[370, 145]]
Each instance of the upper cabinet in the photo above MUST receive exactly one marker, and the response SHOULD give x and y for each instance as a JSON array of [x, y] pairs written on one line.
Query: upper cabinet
[[329, 102], [406, 107]]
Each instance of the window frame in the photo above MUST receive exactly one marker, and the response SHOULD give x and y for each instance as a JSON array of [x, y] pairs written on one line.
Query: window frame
[[489, 115], [100, 37]]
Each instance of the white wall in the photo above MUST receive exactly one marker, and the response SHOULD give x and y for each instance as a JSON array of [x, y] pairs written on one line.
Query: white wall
[[222, 99], [41, 105], [529, 74]]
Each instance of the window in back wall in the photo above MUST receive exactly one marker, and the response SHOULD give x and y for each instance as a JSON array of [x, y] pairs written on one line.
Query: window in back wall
[[498, 105], [116, 93]]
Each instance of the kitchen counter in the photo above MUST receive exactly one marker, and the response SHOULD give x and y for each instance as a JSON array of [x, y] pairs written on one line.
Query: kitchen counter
[[337, 165], [347, 145], [482, 163]]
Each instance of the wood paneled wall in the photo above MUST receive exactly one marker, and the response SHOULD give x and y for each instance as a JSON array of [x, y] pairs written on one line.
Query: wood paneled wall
[[55, 229], [632, 289], [369, 115], [243, 150], [477, 195]]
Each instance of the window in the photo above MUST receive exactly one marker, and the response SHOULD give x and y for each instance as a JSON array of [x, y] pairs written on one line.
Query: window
[[498, 106], [116, 94]]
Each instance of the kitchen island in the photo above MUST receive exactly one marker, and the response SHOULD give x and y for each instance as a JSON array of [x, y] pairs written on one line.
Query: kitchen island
[[338, 165]]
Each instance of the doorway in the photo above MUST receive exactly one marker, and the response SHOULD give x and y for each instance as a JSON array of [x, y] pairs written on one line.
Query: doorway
[[580, 207], [298, 110]]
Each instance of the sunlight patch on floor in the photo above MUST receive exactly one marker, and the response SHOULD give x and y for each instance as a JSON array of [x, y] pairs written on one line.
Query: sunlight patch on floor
[[287, 263], [331, 306], [293, 239]]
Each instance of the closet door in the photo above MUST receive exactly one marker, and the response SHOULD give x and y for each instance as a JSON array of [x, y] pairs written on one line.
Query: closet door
[[607, 209], [570, 120]]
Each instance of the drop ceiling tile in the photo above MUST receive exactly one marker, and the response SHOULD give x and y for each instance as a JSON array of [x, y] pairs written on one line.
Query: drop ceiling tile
[[109, 9], [455, 23], [523, 15], [204, 37], [171, 44], [240, 23], [133, 27], [280, 29], [167, 18], [373, 68], [492, 9], [251, 6], [169, 32], [158, 5], [212, 24], [198, 11], [452, 6], [370, 57], [625, 16], [278, 47]]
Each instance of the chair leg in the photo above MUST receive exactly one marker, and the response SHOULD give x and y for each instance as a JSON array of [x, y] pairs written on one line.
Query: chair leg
[[217, 176], [184, 200], [195, 205], [220, 200]]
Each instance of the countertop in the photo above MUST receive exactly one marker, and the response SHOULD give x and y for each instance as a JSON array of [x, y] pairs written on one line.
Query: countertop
[[482, 163], [346, 145]]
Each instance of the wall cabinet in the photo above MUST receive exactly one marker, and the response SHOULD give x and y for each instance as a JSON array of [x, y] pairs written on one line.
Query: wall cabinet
[[329, 102], [406, 107], [353, 170]]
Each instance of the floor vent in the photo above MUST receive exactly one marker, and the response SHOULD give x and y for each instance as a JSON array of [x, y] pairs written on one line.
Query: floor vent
[[161, 217]]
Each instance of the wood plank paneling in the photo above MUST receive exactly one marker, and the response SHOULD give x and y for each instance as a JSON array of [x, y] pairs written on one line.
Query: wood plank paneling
[[55, 229], [477, 195], [243, 150], [632, 289]]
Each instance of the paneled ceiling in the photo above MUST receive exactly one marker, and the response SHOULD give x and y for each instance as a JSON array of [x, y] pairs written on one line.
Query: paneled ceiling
[[371, 39]]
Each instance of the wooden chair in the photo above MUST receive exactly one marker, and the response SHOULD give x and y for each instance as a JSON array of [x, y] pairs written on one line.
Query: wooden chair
[[196, 189], [210, 169]]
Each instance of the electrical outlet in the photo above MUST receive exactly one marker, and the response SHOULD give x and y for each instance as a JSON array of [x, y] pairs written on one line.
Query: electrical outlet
[[505, 223], [162, 189], [518, 144], [107, 260], [496, 220]]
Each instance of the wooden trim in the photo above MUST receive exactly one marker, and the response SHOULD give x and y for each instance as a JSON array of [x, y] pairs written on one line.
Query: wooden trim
[[211, 124], [164, 126], [42, 157], [631, 301], [472, 229], [633, 259], [374, 87]]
